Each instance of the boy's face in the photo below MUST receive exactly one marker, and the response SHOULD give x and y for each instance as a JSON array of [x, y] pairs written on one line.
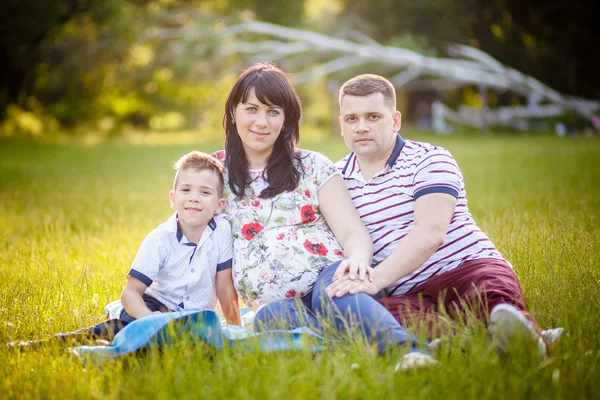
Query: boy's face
[[196, 198]]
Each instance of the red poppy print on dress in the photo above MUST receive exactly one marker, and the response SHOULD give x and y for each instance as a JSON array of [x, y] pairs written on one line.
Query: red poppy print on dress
[[251, 230], [315, 248], [290, 293], [308, 214], [220, 155], [255, 203]]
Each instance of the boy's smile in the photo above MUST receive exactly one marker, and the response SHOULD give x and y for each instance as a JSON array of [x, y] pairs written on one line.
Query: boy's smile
[[196, 199]]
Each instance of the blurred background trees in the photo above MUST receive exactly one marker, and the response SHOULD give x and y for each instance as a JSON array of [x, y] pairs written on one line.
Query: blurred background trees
[[159, 64]]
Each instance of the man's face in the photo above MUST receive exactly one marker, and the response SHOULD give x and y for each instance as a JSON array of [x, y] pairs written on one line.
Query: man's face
[[369, 126]]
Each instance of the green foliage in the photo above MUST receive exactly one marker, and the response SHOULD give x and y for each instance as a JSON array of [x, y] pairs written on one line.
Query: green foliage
[[440, 21], [109, 65], [25, 26], [73, 215]]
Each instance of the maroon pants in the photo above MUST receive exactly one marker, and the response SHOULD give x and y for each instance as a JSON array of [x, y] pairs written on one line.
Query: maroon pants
[[476, 286]]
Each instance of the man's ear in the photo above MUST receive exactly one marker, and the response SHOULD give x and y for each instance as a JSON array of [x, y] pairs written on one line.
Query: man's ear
[[220, 206], [341, 127], [172, 198], [397, 121]]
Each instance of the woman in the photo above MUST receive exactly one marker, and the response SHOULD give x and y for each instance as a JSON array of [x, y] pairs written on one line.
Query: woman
[[292, 218]]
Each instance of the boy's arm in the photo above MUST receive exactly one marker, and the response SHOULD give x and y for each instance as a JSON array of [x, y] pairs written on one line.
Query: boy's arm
[[132, 300], [228, 297]]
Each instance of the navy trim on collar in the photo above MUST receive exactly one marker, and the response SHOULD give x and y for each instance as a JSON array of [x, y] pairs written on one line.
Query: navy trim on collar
[[178, 233], [212, 224], [393, 157], [347, 163], [179, 236], [397, 149]]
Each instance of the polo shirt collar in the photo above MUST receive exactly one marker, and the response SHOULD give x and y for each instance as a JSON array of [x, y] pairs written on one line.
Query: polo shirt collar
[[396, 152], [388, 164], [172, 225]]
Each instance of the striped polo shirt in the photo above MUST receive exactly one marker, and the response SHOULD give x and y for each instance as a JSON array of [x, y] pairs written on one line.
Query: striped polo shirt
[[386, 205]]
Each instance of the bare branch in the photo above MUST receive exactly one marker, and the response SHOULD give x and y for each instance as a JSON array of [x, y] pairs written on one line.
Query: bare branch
[[406, 76], [337, 54]]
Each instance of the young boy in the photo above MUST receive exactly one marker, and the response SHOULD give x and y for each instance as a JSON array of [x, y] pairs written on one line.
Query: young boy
[[183, 264]]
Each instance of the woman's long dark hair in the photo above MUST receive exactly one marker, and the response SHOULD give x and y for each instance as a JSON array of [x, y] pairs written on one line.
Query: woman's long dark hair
[[272, 87]]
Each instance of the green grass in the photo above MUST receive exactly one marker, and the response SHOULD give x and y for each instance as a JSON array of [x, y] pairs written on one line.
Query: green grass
[[72, 215]]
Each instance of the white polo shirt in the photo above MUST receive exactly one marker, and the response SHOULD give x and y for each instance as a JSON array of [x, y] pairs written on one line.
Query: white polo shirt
[[386, 206], [181, 274]]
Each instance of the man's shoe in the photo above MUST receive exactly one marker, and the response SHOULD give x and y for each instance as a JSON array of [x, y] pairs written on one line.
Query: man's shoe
[[552, 335], [415, 360], [508, 324]]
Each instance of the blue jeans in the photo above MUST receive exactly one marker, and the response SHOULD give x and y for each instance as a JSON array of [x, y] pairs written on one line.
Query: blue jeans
[[349, 312]]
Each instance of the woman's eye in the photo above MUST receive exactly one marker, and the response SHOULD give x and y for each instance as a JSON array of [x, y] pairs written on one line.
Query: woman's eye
[[251, 109], [274, 112]]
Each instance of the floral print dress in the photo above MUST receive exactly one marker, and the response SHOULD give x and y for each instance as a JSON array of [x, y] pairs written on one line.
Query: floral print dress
[[281, 244]]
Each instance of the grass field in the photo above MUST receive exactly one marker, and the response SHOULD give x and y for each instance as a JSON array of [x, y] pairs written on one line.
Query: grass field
[[72, 215]]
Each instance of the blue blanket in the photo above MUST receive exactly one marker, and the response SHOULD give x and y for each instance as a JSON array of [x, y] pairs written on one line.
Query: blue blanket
[[160, 330]]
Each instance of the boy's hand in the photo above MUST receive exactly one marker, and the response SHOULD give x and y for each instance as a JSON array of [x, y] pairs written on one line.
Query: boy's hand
[[132, 299], [228, 298]]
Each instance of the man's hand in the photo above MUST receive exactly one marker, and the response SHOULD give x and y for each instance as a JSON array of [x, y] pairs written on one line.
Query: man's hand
[[344, 285], [352, 268]]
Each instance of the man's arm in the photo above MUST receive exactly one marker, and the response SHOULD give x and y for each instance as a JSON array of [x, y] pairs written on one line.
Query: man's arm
[[228, 297], [432, 215], [345, 223], [132, 300]]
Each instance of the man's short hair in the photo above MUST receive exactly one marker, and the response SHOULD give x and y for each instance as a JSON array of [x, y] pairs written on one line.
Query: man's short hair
[[367, 84], [199, 161]]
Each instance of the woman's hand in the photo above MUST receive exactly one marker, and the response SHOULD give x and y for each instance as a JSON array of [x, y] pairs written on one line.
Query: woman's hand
[[352, 268]]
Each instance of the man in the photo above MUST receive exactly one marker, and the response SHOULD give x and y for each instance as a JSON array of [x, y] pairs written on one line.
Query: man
[[430, 254]]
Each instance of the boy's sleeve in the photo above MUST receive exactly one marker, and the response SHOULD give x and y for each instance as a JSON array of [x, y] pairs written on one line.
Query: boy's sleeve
[[225, 243], [147, 261], [437, 172]]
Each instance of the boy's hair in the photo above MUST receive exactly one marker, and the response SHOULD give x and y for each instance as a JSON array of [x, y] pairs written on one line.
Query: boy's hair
[[199, 161], [367, 84]]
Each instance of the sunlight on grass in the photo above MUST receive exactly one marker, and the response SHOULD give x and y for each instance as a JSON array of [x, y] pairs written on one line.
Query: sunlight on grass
[[73, 213]]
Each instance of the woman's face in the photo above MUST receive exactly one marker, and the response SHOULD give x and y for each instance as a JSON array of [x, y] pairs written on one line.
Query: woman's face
[[258, 126]]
